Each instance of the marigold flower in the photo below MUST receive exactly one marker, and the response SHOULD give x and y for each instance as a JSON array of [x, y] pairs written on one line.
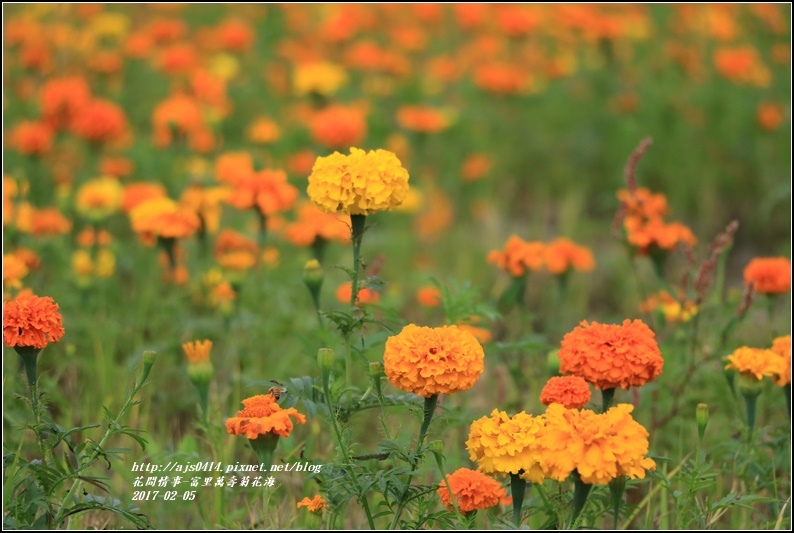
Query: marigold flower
[[14, 269], [162, 217], [483, 335], [28, 257], [601, 447], [300, 163], [206, 203], [769, 275], [197, 351], [423, 119], [655, 233], [431, 361], [475, 167], [672, 309], [472, 491], [428, 296], [572, 392], [501, 78], [100, 121], [235, 35], [268, 190], [61, 99], [31, 321], [312, 223], [181, 114], [313, 505], [118, 167], [742, 65], [263, 130], [99, 198], [178, 59], [319, 78], [48, 221], [139, 192], [361, 183], [503, 445], [235, 251], [31, 138], [563, 254], [612, 355], [338, 126], [643, 203], [782, 347], [770, 115], [263, 416], [85, 268], [757, 362], [519, 256], [365, 294]]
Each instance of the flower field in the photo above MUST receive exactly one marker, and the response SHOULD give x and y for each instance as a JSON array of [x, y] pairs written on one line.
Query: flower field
[[421, 266]]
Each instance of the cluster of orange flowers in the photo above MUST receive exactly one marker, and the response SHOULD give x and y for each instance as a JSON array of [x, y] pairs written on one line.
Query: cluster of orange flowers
[[643, 220], [558, 257]]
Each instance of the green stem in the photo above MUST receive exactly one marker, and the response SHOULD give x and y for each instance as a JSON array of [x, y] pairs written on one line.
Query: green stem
[[787, 392], [318, 249], [518, 487], [430, 407], [357, 233], [580, 492], [343, 448], [616, 488], [439, 461], [750, 401], [607, 395], [262, 228]]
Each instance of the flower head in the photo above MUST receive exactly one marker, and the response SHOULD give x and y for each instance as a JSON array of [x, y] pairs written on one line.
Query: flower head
[[337, 127], [519, 256], [312, 223], [423, 119], [757, 362], [361, 183], [503, 444], [31, 138], [472, 490], [235, 251], [319, 78], [430, 361], [162, 217], [572, 392], [612, 355], [563, 254], [769, 275], [99, 198], [31, 321], [428, 296], [672, 309], [601, 447], [263, 416], [100, 121], [782, 347], [197, 351], [313, 505], [14, 269]]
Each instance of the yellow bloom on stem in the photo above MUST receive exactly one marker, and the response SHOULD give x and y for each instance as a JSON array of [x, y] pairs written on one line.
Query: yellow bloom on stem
[[431, 361], [197, 351], [503, 445], [361, 183], [263, 416], [321, 78], [99, 198], [757, 362], [472, 490], [14, 269], [313, 505], [162, 217]]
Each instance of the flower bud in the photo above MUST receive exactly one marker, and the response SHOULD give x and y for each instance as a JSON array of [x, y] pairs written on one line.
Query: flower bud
[[326, 358], [436, 446], [376, 369], [313, 275], [702, 419]]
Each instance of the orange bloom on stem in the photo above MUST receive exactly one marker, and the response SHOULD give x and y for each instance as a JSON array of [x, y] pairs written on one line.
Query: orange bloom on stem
[[265, 131], [501, 78], [612, 355], [313, 505], [235, 251], [267, 189], [138, 192], [31, 321], [769, 275], [178, 59], [100, 121], [563, 254], [197, 351], [782, 347], [770, 115], [162, 217], [235, 35], [261, 415], [756, 362], [475, 167], [518, 256], [179, 114], [643, 203], [423, 119], [313, 223], [428, 296], [49, 221], [655, 234], [572, 392], [472, 490], [31, 138], [337, 127], [14, 269], [432, 361], [62, 99]]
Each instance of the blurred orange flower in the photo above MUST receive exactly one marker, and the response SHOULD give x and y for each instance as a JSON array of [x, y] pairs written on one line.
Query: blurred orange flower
[[475, 167], [770, 115], [31, 138], [138, 192], [119, 167], [422, 119], [563, 254], [163, 217], [782, 347], [428, 296], [312, 223], [612, 355], [62, 98], [14, 269], [235, 35], [235, 251], [337, 127], [365, 295], [100, 121], [263, 130], [769, 275], [49, 221], [518, 256]]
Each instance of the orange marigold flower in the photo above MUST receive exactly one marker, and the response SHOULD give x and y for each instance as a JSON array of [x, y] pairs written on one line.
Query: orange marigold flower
[[431, 361], [742, 65], [235, 35], [88, 237], [262, 416], [423, 119], [563, 254], [475, 167], [206, 203], [197, 351], [757, 362], [235, 251], [361, 183], [99, 198], [264, 130], [428, 296], [119, 167], [49, 221], [572, 392], [137, 193], [313, 505], [14, 269], [612, 355], [643, 203], [503, 444], [519, 256], [29, 257], [100, 121], [655, 233], [31, 138], [365, 294], [472, 491], [180, 114], [162, 217], [338, 127], [770, 115], [313, 223], [178, 59], [769, 275], [267, 189], [601, 447], [501, 78], [61, 100], [31, 321], [782, 347]]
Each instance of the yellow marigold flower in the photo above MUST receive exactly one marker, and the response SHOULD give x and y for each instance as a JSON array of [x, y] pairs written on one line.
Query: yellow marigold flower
[[313, 505], [756, 362], [473, 491], [672, 309], [601, 447], [105, 264], [99, 198], [503, 445], [197, 351], [162, 217], [206, 203], [361, 183], [262, 416], [572, 392], [612, 355], [431, 361], [782, 347], [14, 269], [321, 78]]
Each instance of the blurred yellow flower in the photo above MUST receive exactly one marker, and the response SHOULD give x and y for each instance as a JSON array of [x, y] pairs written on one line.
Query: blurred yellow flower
[[321, 78], [99, 198]]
